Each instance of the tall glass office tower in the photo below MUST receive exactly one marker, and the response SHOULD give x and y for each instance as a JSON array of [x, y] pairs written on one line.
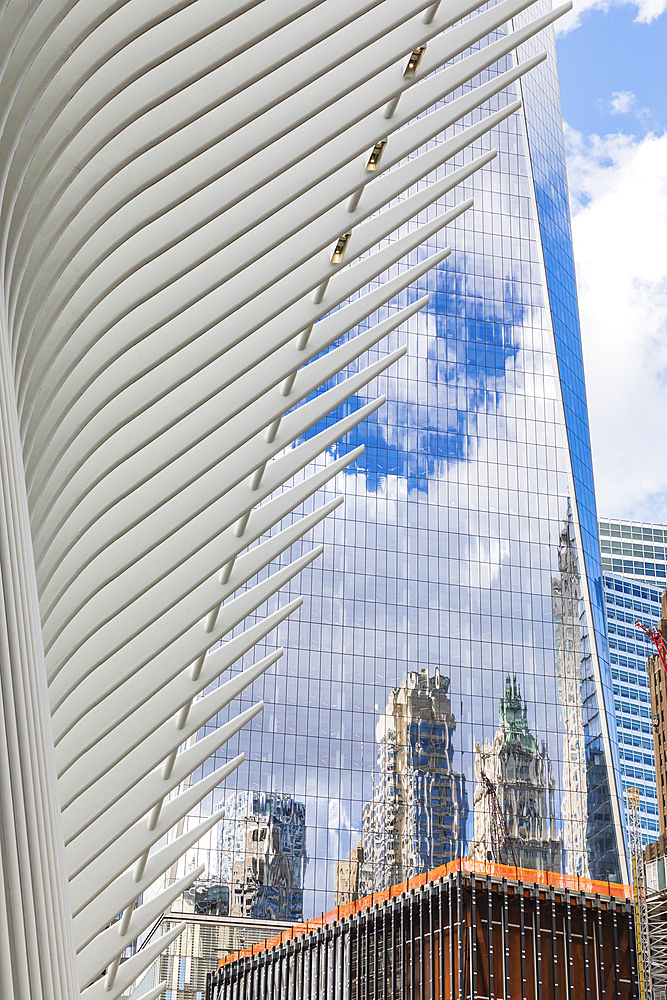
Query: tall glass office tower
[[634, 571], [634, 550], [446, 689]]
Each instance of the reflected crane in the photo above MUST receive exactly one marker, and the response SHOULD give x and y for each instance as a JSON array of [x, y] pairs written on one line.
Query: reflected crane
[[501, 842]]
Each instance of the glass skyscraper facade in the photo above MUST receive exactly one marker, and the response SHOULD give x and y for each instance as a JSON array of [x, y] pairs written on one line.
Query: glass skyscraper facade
[[634, 574], [446, 688], [635, 550]]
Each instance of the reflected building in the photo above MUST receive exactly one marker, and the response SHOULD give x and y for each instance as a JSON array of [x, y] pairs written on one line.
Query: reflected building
[[262, 843], [514, 808], [352, 876], [567, 610], [210, 897], [416, 818]]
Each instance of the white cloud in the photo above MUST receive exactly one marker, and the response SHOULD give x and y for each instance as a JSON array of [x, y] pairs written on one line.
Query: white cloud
[[619, 192], [647, 11], [622, 101]]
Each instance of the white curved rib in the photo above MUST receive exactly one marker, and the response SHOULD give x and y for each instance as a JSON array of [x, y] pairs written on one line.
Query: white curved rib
[[94, 957], [113, 616], [120, 817], [173, 174], [152, 691], [99, 908], [162, 737], [199, 496], [133, 967]]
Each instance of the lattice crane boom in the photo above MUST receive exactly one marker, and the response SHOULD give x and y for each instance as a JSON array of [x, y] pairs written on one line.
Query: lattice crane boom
[[500, 836]]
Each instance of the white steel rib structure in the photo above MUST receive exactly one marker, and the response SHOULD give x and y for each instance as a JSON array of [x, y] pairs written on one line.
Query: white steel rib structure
[[187, 188]]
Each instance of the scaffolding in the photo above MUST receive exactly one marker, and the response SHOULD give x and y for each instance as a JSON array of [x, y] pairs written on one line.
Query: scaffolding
[[656, 903], [641, 906]]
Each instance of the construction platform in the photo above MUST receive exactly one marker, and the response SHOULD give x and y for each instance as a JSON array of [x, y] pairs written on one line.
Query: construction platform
[[466, 930]]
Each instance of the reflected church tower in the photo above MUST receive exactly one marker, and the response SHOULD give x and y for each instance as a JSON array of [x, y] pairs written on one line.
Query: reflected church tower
[[514, 798], [419, 807], [566, 604]]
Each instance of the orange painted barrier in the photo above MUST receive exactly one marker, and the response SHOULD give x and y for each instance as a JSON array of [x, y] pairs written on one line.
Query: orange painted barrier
[[530, 876]]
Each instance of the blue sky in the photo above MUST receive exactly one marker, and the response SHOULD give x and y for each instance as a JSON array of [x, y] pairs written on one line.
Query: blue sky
[[613, 76], [612, 53]]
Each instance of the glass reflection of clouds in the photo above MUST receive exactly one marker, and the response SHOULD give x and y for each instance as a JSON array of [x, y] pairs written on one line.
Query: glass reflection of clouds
[[470, 340], [463, 553]]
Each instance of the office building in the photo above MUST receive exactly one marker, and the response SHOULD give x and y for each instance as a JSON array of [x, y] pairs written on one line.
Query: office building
[[633, 559], [467, 548], [657, 674], [634, 549]]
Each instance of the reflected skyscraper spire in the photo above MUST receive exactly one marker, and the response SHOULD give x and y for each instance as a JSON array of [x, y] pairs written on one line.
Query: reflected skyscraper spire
[[515, 772], [567, 611]]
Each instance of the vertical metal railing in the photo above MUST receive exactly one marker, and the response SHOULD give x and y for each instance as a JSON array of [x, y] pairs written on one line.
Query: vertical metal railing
[[473, 937], [554, 944], [459, 932], [600, 949], [506, 943], [431, 934], [376, 953], [522, 937], [332, 970], [450, 893], [634, 988], [584, 928], [347, 970], [420, 943], [402, 946], [617, 971], [411, 944], [393, 949], [489, 934], [538, 943], [441, 932], [569, 954]]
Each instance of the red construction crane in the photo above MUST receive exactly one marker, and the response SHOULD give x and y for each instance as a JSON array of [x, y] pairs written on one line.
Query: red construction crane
[[656, 637]]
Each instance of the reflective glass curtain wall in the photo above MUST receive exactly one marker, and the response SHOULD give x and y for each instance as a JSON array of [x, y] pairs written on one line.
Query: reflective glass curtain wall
[[446, 688]]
